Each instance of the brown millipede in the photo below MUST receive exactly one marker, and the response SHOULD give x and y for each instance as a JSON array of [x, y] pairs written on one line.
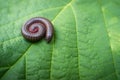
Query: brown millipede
[[36, 28]]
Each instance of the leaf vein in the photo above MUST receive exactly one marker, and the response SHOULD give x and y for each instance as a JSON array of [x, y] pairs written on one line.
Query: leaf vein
[[105, 23], [76, 41], [49, 9], [17, 60], [54, 37]]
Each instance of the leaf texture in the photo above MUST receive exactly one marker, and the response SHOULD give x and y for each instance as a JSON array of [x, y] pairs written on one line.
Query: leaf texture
[[86, 43]]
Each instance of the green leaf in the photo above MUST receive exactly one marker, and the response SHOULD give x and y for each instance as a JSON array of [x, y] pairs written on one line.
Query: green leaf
[[86, 44]]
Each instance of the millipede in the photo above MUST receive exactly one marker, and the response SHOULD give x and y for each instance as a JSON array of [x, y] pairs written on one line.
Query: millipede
[[36, 28]]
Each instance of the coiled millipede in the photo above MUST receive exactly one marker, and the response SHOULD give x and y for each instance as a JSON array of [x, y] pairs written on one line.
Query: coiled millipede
[[37, 28]]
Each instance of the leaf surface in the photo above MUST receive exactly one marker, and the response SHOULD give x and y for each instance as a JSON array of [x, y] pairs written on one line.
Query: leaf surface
[[86, 43]]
